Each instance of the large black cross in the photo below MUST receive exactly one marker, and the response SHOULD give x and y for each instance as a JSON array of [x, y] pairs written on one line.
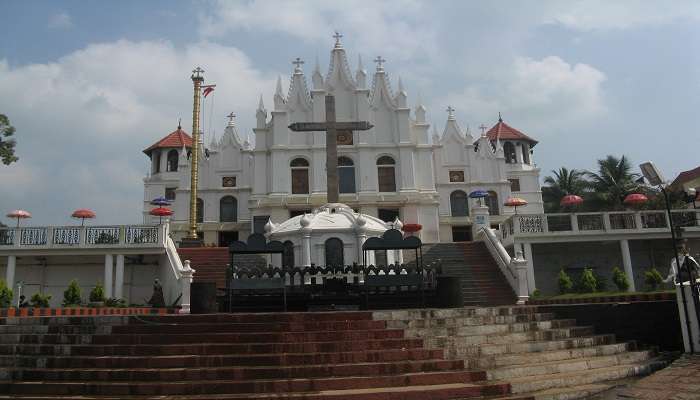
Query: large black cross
[[331, 127]]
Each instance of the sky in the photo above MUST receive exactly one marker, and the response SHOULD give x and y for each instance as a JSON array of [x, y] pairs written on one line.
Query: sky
[[89, 85]]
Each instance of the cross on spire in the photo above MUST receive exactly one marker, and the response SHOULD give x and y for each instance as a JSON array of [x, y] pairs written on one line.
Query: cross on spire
[[197, 73], [483, 129], [230, 118], [337, 37], [450, 113], [298, 62], [379, 60]]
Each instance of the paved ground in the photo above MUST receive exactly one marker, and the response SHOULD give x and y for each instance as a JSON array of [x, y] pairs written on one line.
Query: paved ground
[[679, 381]]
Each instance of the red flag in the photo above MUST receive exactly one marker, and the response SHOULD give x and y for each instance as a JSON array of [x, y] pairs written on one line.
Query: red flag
[[207, 90]]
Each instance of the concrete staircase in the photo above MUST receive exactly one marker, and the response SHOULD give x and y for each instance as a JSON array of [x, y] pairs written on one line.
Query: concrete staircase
[[483, 284], [483, 353], [210, 263], [536, 354]]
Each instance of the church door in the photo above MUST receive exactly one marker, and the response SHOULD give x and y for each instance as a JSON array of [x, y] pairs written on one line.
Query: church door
[[334, 252]]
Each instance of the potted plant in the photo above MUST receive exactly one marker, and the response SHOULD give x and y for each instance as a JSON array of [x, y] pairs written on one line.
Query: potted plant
[[5, 295], [97, 296], [39, 300], [71, 296]]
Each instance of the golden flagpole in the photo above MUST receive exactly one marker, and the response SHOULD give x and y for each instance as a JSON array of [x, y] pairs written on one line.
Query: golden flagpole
[[197, 79]]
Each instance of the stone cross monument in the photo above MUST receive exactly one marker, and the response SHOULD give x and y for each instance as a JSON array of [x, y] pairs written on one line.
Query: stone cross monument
[[331, 127]]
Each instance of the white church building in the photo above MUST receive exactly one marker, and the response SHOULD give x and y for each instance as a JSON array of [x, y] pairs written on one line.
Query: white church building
[[397, 169]]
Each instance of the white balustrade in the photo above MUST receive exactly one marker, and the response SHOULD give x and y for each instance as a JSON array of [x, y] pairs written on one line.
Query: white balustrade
[[83, 236]]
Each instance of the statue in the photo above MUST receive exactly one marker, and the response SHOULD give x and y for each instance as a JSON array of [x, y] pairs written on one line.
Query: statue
[[157, 299]]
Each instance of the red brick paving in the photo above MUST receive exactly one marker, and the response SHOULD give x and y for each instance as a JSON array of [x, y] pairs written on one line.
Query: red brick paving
[[679, 381]]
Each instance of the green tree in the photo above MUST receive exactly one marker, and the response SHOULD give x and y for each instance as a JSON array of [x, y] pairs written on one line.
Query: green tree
[[562, 183], [7, 145], [613, 181]]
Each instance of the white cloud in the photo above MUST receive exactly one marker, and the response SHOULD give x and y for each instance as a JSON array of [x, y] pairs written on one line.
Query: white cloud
[[60, 20], [83, 120], [396, 28], [550, 92]]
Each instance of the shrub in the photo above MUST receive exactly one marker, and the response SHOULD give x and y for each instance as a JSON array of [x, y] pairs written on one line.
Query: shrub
[[97, 294], [652, 278], [40, 300], [565, 282], [112, 302], [536, 293], [71, 296], [588, 282], [5, 295], [620, 280], [601, 282]]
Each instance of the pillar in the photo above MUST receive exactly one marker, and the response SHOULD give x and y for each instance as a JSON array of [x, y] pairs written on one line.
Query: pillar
[[108, 276], [10, 273], [306, 249], [627, 263], [185, 281], [530, 265], [119, 278], [361, 238], [480, 215]]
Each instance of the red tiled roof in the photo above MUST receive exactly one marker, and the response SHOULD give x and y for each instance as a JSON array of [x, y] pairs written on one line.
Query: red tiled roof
[[176, 139], [686, 176], [504, 131]]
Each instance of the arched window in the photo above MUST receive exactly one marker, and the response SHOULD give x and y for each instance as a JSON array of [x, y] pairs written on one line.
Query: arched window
[[288, 254], [200, 211], [228, 209], [492, 203], [300, 176], [526, 153], [156, 161], [509, 152], [458, 204], [346, 175], [385, 174], [334, 252], [172, 161]]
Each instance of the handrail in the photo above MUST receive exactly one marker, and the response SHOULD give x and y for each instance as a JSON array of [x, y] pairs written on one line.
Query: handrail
[[513, 268]]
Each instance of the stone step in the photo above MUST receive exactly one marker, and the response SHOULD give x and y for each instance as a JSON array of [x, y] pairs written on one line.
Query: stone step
[[448, 342], [573, 392], [431, 392], [486, 350], [468, 321], [461, 378], [453, 312], [210, 348], [253, 327], [202, 361], [488, 329], [536, 383], [243, 373], [174, 338], [568, 365]]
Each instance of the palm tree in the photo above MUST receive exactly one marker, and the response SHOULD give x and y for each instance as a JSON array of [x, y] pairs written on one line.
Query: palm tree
[[561, 183], [613, 181]]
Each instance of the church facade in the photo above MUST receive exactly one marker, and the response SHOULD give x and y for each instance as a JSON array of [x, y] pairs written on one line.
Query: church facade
[[397, 169]]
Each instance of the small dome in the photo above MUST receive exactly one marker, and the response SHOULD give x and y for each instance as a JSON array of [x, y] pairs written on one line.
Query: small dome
[[305, 220], [398, 224], [360, 220], [269, 226], [331, 217]]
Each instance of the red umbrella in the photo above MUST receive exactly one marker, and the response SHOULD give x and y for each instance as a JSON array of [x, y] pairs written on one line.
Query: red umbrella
[[515, 202], [635, 198], [83, 213], [161, 212], [19, 214], [412, 227], [571, 200]]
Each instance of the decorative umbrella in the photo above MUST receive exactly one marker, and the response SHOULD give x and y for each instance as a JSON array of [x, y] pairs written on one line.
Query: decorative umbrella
[[161, 212], [634, 199], [412, 228], [479, 194], [515, 202], [160, 202], [571, 200], [83, 213], [19, 214]]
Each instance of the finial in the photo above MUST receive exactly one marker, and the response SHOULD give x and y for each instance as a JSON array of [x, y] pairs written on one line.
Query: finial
[[401, 88], [317, 65], [230, 119], [197, 74], [379, 60], [261, 105], [499, 117], [337, 37], [298, 62], [360, 66], [450, 113], [483, 129], [179, 124], [278, 89]]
